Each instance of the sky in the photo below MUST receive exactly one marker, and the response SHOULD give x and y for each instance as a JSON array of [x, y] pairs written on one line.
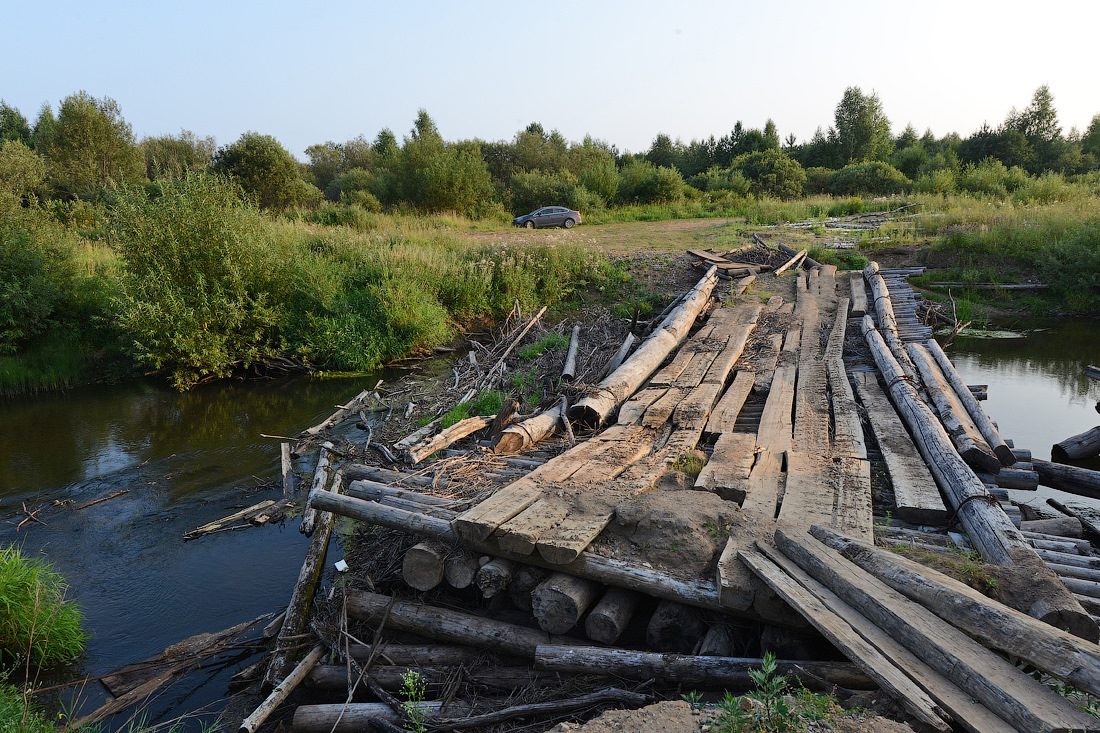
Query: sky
[[621, 72]]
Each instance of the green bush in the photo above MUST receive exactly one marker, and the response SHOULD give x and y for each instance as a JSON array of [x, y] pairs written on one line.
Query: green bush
[[641, 182], [772, 173], [817, 180], [38, 625], [874, 178], [991, 177], [940, 182], [196, 293]]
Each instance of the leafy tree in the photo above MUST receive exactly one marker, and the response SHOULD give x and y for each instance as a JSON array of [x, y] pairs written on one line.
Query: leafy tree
[[172, 155], [44, 126], [1038, 124], [602, 179], [90, 147], [264, 170], [874, 177], [772, 172], [1090, 141], [862, 129], [641, 182], [663, 152], [326, 162], [22, 171], [771, 134], [537, 150], [13, 125]]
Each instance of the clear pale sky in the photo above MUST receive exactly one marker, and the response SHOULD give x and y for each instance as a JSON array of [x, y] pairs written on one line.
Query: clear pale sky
[[620, 71]]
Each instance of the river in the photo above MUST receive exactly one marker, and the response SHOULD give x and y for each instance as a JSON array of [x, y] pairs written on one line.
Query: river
[[189, 458]]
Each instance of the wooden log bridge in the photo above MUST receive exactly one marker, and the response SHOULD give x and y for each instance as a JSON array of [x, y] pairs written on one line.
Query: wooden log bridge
[[703, 461]]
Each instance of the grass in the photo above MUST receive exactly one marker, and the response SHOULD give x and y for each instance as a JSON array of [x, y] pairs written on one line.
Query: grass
[[38, 624], [547, 343]]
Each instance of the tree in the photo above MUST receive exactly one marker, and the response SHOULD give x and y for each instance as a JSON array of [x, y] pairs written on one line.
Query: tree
[[172, 155], [44, 126], [90, 147], [772, 172], [22, 171], [862, 129], [1090, 141], [1038, 124], [663, 152], [13, 125], [264, 170], [326, 162]]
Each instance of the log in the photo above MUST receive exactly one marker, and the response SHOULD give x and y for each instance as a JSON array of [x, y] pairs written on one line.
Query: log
[[1017, 478], [887, 321], [620, 355], [791, 262], [282, 690], [569, 371], [1092, 372], [703, 672], [354, 717], [416, 655], [716, 643], [808, 262], [287, 471], [964, 434], [460, 568], [417, 436], [1057, 544], [607, 621], [349, 409], [695, 592], [1077, 447], [416, 453], [494, 576], [320, 481], [984, 425], [443, 624], [674, 627], [525, 580], [560, 600], [606, 696], [593, 410], [219, 524], [423, 565], [859, 295], [989, 529], [1088, 527], [1070, 479], [369, 490], [503, 418], [519, 437], [1055, 651], [335, 677], [996, 683], [301, 599]]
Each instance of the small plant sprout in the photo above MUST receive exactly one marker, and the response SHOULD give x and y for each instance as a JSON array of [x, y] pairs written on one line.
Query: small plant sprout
[[412, 688]]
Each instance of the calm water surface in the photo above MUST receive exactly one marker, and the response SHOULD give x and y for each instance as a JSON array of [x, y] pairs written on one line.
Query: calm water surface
[[185, 459]]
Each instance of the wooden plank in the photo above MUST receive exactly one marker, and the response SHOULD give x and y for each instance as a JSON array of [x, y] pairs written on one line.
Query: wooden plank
[[826, 492], [634, 409], [765, 361], [916, 497], [1023, 701], [859, 295], [845, 638], [520, 533], [727, 471], [724, 415], [1057, 652], [962, 707], [667, 375]]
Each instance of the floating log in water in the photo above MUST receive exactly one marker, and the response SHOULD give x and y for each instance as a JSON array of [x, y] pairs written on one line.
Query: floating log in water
[[1071, 479], [1077, 447], [219, 524]]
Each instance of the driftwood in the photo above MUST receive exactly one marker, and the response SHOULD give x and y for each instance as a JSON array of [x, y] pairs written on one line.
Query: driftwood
[[344, 410], [697, 671], [417, 436], [521, 436], [1071, 479], [282, 690], [321, 477], [286, 470], [695, 592], [1077, 447], [593, 410], [970, 403], [569, 371], [416, 453], [1087, 525], [309, 578], [224, 522], [1061, 654], [988, 527]]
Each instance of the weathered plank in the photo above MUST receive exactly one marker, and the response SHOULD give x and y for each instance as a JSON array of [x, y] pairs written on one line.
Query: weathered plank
[[520, 533], [727, 471], [1023, 701], [859, 295], [724, 415], [916, 497]]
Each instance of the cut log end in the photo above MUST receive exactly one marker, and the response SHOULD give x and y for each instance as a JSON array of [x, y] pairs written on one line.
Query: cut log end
[[584, 416]]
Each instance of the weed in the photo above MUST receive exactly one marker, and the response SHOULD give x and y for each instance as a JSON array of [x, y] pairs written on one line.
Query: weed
[[412, 688], [767, 707], [693, 698], [456, 414], [38, 625], [689, 463], [546, 343], [715, 531], [488, 403]]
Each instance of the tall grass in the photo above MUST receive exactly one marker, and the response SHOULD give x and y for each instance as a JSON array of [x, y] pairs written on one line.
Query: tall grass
[[38, 624]]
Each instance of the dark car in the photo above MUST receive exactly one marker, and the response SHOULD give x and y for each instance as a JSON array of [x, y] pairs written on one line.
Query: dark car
[[549, 216]]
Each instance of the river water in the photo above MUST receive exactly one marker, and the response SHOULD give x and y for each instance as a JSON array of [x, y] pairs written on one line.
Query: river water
[[187, 459]]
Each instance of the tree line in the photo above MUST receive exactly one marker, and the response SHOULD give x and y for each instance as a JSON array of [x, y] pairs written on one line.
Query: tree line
[[87, 148]]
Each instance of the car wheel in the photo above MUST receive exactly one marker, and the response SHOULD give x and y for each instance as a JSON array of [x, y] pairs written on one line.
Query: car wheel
[[569, 223], [529, 224]]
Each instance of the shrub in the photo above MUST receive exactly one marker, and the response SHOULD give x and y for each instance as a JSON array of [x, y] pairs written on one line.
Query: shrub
[[265, 171], [641, 182], [772, 173], [817, 180], [940, 182], [874, 178], [38, 625], [992, 178], [195, 294]]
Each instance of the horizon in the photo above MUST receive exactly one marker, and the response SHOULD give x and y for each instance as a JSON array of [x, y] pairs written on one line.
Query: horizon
[[620, 77]]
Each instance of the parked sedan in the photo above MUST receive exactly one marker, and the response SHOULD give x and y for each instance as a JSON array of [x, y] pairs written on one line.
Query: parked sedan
[[549, 216]]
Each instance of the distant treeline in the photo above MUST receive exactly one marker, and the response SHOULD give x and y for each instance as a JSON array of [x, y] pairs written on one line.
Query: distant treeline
[[87, 148]]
